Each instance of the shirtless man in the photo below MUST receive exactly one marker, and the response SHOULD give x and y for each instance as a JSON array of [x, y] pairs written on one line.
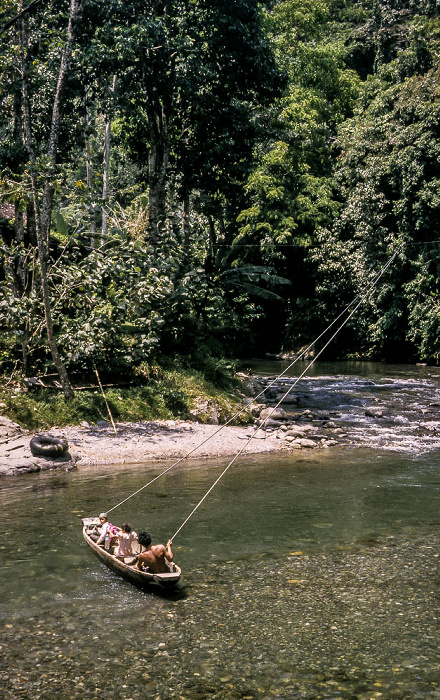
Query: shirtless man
[[155, 557]]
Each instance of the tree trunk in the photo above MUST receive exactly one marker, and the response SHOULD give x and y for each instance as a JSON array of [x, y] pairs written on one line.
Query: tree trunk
[[43, 214], [30, 224], [18, 140], [157, 166], [106, 165], [52, 151], [89, 170]]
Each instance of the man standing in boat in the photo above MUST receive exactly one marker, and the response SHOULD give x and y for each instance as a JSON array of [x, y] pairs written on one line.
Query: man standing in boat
[[155, 558]]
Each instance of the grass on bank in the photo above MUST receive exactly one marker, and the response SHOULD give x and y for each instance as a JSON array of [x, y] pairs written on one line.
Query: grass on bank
[[172, 395]]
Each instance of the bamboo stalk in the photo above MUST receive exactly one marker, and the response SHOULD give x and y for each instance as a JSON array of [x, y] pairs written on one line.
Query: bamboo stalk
[[106, 402]]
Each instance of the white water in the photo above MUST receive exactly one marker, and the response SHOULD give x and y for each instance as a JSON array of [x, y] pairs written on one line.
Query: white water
[[407, 396]]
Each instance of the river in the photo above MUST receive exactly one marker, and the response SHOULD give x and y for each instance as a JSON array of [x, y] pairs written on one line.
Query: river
[[311, 574]]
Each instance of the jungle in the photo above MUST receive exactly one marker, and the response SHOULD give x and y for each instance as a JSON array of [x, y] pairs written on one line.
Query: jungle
[[185, 184]]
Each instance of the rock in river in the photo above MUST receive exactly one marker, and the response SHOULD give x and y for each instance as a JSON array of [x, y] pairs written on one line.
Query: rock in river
[[274, 413]]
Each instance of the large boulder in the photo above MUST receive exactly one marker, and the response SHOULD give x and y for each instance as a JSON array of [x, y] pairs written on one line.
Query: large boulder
[[273, 413], [299, 430], [304, 442]]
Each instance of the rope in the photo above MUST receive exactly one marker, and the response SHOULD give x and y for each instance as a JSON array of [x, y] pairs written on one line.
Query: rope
[[259, 427], [358, 301], [297, 245]]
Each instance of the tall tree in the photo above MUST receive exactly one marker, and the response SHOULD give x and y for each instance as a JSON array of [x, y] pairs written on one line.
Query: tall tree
[[388, 177], [43, 203], [193, 75], [289, 193], [106, 160]]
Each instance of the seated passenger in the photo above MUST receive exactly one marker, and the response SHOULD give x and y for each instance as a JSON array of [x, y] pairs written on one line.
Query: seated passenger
[[106, 532], [125, 537], [155, 558]]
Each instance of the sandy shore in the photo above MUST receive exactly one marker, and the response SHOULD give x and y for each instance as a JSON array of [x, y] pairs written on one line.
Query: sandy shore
[[133, 443], [157, 440]]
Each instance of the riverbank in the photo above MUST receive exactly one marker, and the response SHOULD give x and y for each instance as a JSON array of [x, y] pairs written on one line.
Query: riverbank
[[132, 443], [145, 441], [159, 440], [388, 408]]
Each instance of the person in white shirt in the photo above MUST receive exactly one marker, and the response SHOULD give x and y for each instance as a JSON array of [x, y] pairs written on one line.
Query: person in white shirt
[[105, 528], [126, 536]]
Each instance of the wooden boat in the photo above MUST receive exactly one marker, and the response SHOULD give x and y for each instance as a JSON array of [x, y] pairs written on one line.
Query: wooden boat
[[127, 567]]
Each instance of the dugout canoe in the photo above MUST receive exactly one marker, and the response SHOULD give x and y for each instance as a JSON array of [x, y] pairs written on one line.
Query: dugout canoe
[[126, 567]]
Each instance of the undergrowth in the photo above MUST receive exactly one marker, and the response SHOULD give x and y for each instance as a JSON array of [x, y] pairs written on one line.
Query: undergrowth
[[170, 395]]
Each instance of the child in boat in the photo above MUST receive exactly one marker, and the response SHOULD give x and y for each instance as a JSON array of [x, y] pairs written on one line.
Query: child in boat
[[154, 558], [105, 528], [125, 537]]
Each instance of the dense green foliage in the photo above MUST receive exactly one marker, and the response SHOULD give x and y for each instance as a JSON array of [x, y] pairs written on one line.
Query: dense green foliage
[[387, 176], [227, 177], [160, 395]]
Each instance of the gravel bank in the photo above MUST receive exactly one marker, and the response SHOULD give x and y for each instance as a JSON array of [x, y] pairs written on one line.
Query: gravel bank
[[133, 443]]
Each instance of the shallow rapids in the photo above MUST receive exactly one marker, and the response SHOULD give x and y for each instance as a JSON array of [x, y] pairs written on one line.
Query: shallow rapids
[[390, 407]]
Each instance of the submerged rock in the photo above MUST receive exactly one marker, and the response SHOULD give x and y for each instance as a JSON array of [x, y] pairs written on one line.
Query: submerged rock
[[374, 412], [289, 399]]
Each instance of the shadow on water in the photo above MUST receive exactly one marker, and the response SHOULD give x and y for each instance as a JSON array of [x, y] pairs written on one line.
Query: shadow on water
[[169, 592]]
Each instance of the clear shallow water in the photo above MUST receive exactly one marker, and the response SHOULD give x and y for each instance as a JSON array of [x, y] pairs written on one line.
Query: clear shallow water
[[307, 575]]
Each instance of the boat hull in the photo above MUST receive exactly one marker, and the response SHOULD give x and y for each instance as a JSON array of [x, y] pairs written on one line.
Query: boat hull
[[141, 579]]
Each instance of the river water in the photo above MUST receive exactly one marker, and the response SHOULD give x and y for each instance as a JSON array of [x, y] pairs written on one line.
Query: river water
[[310, 574]]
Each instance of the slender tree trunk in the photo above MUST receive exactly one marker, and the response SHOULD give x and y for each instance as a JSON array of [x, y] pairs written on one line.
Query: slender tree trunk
[[18, 140], [43, 214], [23, 279], [157, 166], [19, 221], [52, 151], [30, 224], [106, 166], [89, 169]]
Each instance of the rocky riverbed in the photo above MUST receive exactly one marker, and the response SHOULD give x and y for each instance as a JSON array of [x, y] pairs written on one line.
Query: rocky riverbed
[[356, 624]]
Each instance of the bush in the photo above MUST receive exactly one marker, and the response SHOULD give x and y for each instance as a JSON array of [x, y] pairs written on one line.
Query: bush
[[167, 394]]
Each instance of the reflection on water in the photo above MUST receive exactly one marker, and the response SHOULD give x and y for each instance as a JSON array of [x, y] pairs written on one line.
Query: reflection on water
[[306, 575], [362, 370]]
